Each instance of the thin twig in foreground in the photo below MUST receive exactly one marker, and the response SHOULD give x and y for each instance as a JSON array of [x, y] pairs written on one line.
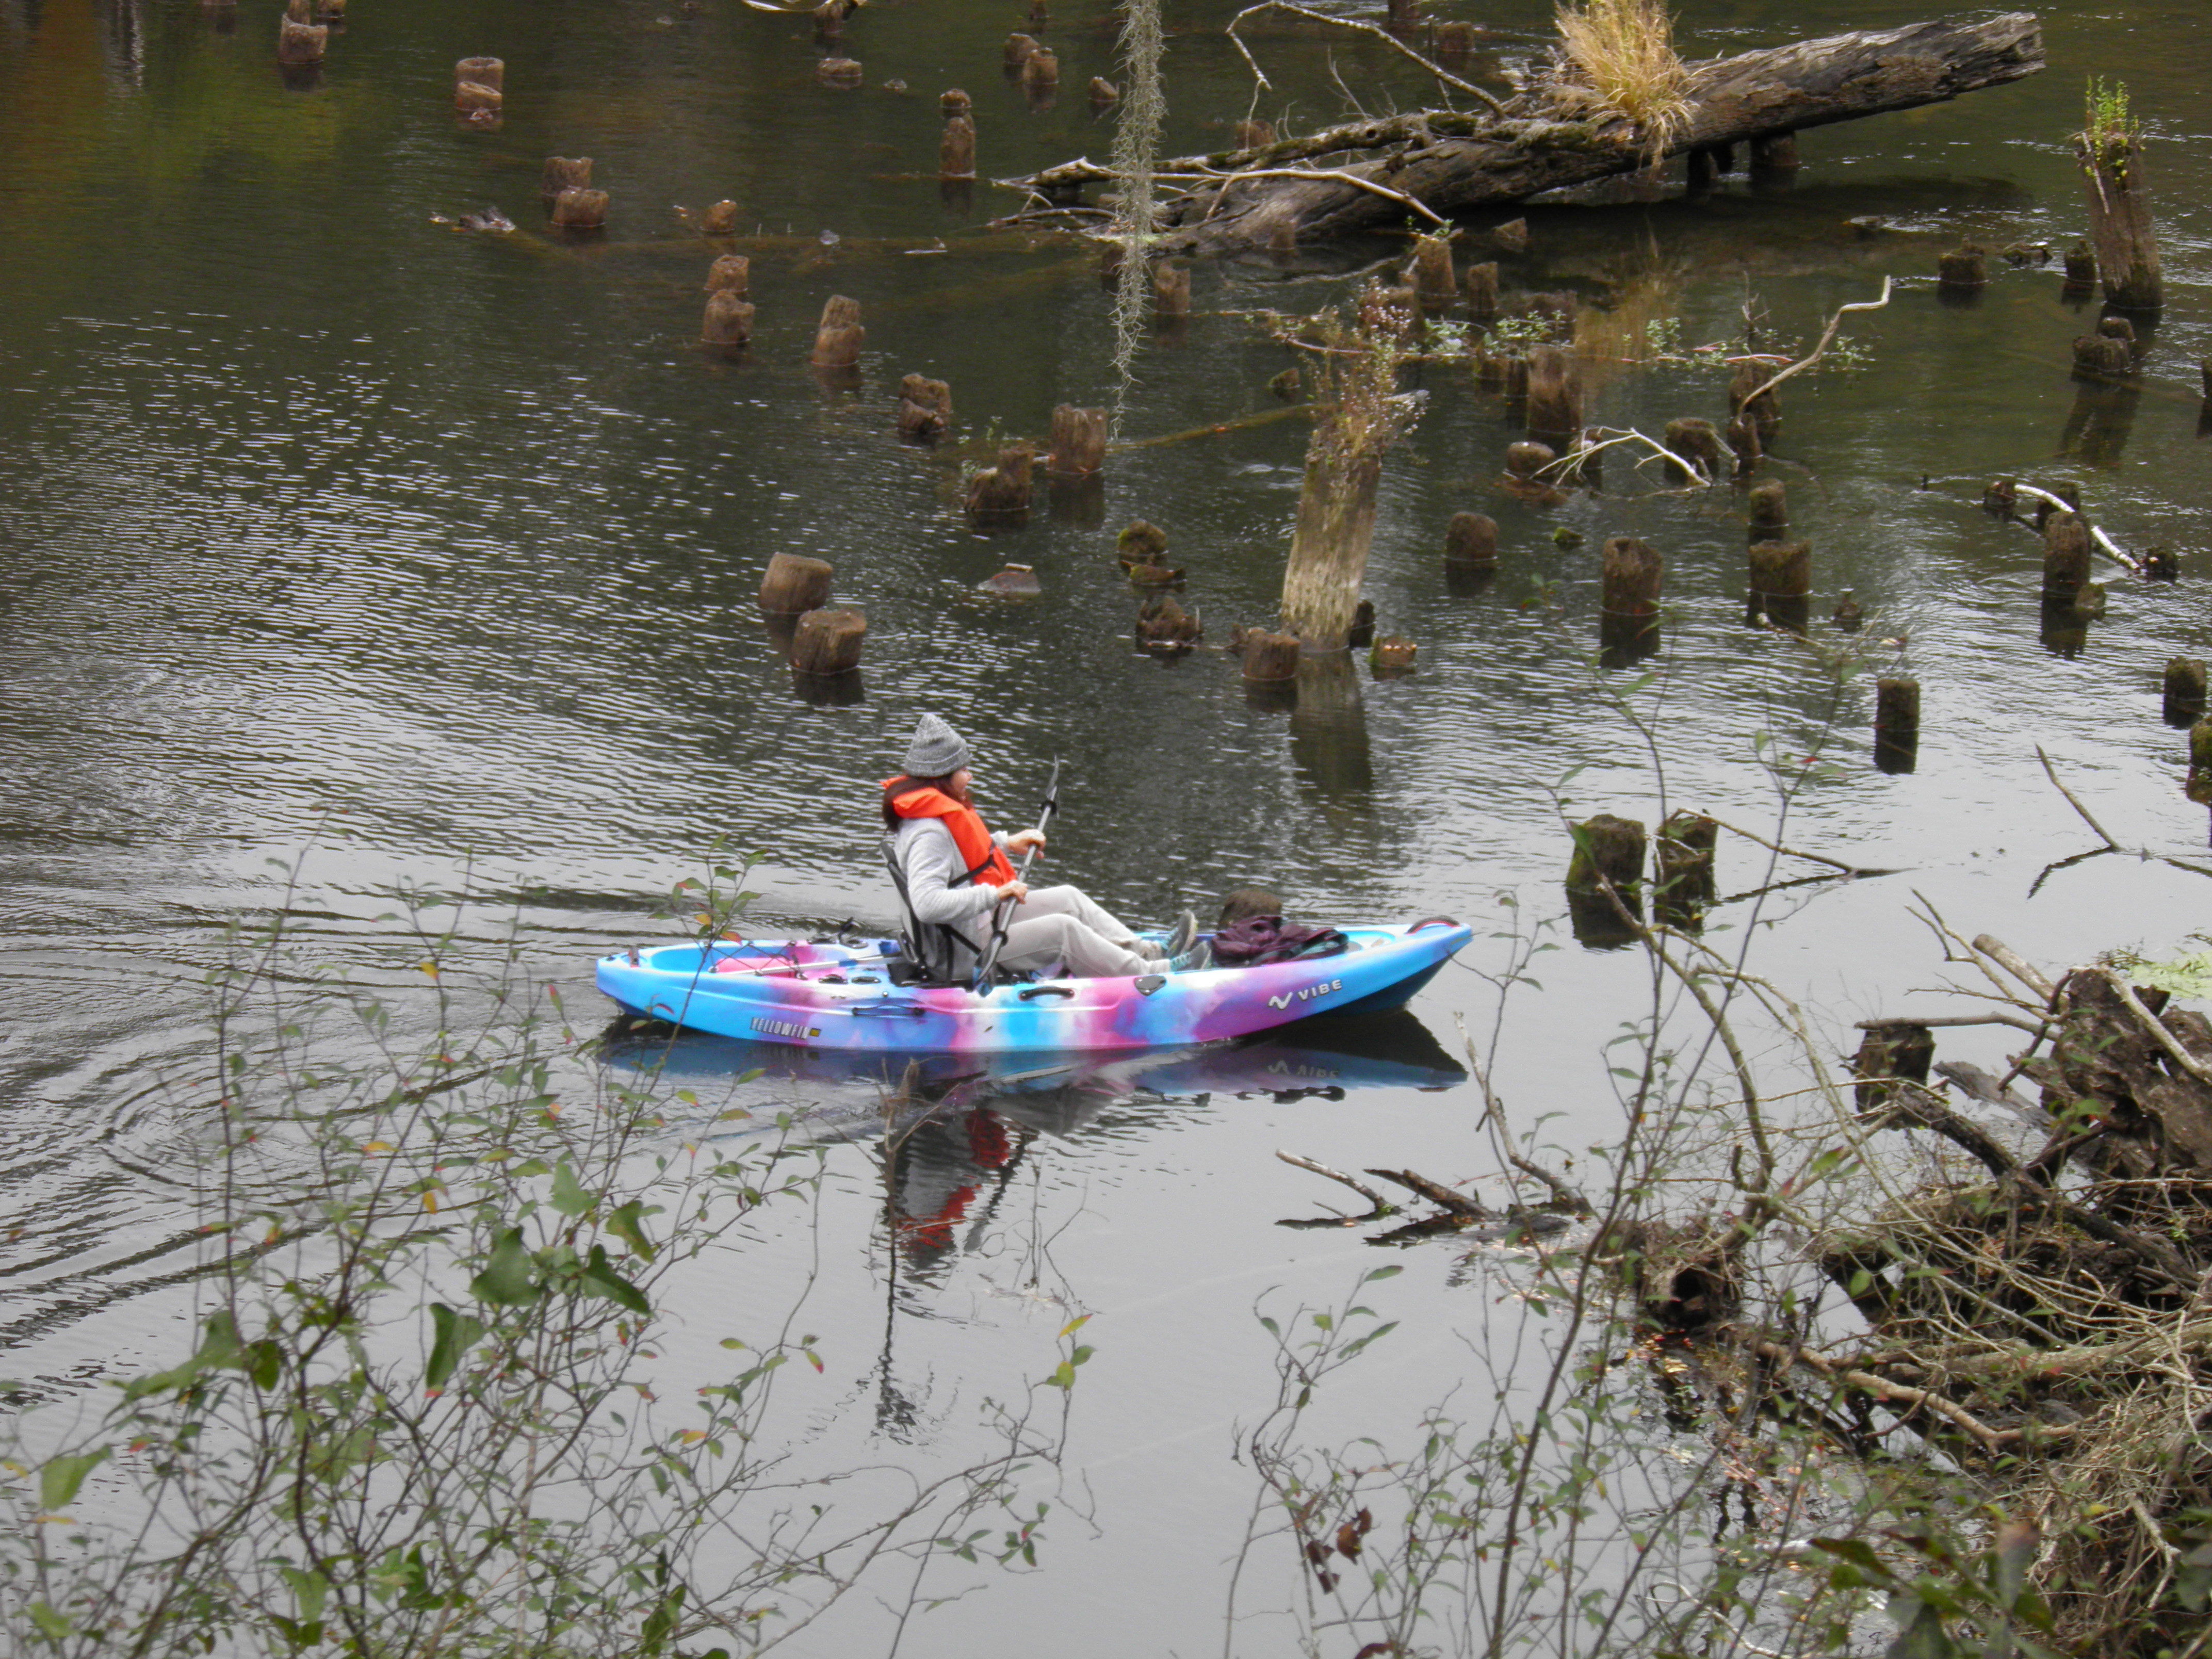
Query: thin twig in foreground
[[1826, 339]]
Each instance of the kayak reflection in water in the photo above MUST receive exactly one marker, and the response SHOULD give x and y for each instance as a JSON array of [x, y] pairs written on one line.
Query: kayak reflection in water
[[950, 869]]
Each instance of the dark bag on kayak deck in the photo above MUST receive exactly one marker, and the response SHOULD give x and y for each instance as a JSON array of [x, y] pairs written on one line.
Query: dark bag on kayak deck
[[1257, 940]]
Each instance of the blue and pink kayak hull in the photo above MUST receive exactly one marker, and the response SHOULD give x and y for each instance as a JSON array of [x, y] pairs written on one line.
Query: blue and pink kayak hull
[[841, 997]]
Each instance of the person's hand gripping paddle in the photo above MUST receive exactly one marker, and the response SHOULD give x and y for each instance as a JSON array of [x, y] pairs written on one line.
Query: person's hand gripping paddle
[[1001, 909]]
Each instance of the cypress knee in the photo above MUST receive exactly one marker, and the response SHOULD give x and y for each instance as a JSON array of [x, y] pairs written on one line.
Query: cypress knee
[[1103, 93], [2101, 358], [2184, 690], [580, 210], [1528, 460], [1471, 539], [1392, 658], [2065, 558], [473, 98], [485, 71], [1454, 42], [1078, 441], [1041, 71], [729, 319], [2080, 266], [566, 172], [1435, 283], [794, 584], [731, 274], [828, 641], [1272, 658], [840, 72], [721, 220], [1019, 48], [1631, 574], [838, 340]]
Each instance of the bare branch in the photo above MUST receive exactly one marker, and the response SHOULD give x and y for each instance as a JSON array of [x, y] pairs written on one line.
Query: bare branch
[[1382, 1205], [1383, 35], [1826, 339]]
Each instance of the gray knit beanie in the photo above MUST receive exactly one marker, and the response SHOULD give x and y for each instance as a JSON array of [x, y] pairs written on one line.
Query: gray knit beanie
[[937, 750]]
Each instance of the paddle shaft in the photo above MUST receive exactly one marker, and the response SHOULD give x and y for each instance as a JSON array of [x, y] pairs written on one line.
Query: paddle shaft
[[990, 960]]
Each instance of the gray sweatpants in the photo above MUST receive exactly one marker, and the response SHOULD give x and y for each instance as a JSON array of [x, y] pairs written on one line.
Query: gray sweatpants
[[1062, 925]]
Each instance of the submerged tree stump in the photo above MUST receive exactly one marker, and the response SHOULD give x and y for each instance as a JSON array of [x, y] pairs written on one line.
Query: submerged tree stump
[[1892, 1050], [829, 642], [1161, 622], [2102, 356], [956, 151], [838, 339], [580, 210], [1763, 413], [731, 274], [1002, 492], [729, 319], [2080, 266], [1480, 287], [2120, 225], [2199, 787], [1170, 289], [1896, 723], [794, 584], [1272, 659], [1555, 393], [719, 219], [1041, 71], [1607, 850], [1695, 439], [1392, 658], [1359, 417], [1435, 281], [1770, 510], [1967, 267], [1454, 162], [925, 409], [1019, 50], [843, 72], [2184, 690], [565, 173], [1683, 886], [1078, 441], [300, 44], [1631, 573], [1782, 582], [1471, 539], [2066, 554]]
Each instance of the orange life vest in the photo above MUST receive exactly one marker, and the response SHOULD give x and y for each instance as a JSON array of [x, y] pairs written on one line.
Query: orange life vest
[[986, 862]]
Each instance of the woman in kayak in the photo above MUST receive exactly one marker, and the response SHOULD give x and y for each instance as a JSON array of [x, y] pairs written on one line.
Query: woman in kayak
[[950, 870]]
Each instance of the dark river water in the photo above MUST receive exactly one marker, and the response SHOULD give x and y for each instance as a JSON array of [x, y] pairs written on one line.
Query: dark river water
[[332, 538]]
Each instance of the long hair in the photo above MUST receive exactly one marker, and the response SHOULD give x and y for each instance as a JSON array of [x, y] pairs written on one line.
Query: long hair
[[906, 786]]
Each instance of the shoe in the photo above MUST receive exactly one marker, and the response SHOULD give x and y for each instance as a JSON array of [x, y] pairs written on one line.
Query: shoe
[[1184, 936], [1196, 960]]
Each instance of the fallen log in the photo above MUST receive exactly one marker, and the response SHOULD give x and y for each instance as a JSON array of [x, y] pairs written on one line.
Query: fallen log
[[1440, 162]]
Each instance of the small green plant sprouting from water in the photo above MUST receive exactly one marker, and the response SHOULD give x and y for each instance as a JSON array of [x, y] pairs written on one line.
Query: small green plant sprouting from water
[[2108, 125]]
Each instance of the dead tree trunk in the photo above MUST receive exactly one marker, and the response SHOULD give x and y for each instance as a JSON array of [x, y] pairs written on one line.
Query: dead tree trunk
[[1361, 415], [1449, 162], [2120, 224]]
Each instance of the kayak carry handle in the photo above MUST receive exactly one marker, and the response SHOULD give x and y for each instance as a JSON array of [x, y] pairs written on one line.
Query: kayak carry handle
[[1046, 991], [1434, 922]]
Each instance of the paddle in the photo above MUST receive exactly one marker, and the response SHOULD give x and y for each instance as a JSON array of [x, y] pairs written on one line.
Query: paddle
[[998, 911]]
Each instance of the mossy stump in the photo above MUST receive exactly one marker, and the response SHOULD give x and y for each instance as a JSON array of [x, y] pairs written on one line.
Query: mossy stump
[[794, 584]]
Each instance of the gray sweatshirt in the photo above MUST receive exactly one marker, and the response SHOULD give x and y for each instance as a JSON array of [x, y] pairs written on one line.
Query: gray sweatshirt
[[926, 855]]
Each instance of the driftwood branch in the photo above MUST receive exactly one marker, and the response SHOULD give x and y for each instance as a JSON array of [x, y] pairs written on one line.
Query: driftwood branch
[[2015, 964], [1810, 858], [1889, 1393], [1439, 1195], [1383, 35], [2106, 544], [1382, 1205], [1820, 350]]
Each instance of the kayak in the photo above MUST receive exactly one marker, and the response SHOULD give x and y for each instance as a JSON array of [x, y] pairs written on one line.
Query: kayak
[[837, 995]]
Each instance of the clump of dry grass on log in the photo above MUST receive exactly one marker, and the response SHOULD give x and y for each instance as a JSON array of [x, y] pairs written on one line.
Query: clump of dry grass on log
[[1617, 57]]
